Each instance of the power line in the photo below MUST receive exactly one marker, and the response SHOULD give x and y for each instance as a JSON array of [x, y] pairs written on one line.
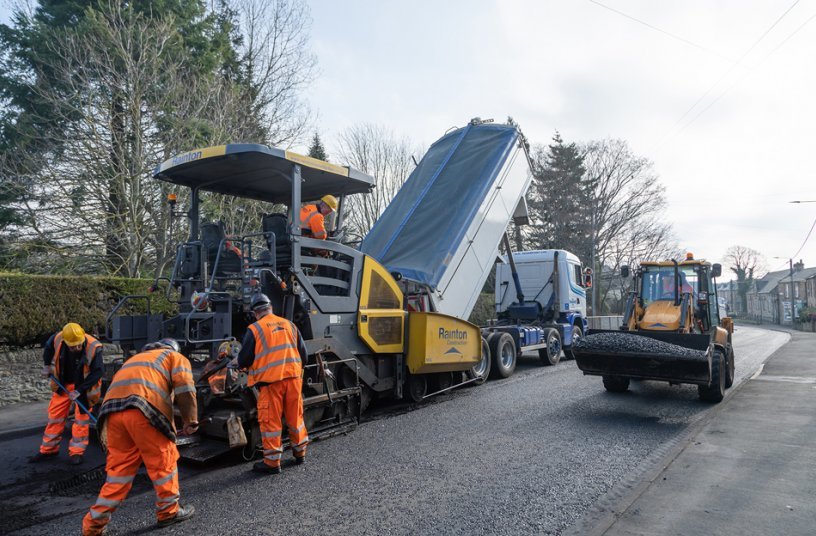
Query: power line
[[670, 135], [673, 36], [805, 242]]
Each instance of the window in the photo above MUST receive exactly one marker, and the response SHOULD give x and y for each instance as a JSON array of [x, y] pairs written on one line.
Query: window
[[576, 269]]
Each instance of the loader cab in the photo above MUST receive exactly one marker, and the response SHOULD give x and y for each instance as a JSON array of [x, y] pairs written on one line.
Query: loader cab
[[668, 284]]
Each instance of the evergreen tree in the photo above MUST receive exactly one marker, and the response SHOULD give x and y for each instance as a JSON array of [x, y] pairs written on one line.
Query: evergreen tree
[[316, 150], [559, 199]]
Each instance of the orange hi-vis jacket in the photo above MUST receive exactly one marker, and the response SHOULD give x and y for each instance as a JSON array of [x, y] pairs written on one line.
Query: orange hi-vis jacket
[[276, 351], [91, 346], [155, 376], [312, 221]]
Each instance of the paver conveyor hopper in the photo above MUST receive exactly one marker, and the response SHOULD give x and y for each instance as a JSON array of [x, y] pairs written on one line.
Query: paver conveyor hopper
[[671, 331]]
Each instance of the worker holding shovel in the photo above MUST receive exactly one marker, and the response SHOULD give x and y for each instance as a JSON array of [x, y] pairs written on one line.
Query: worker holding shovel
[[72, 360]]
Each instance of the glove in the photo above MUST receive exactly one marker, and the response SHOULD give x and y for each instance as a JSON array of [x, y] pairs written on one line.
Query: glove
[[73, 395], [190, 428], [46, 371]]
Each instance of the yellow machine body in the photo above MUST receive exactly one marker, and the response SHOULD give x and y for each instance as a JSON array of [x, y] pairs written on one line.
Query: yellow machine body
[[663, 316], [441, 343]]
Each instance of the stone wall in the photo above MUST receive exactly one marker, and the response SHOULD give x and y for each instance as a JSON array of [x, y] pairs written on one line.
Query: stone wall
[[20, 376]]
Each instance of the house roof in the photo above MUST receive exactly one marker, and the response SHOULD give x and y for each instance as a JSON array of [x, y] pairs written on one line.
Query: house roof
[[769, 281]]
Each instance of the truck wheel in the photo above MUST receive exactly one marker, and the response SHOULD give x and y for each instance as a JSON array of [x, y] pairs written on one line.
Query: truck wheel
[[616, 384], [729, 377], [503, 350], [576, 336], [417, 387], [551, 355], [481, 370], [716, 390]]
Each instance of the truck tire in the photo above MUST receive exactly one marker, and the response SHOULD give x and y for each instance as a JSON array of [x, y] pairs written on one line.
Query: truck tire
[[729, 377], [716, 390], [577, 333], [616, 384], [503, 351], [551, 355], [481, 370]]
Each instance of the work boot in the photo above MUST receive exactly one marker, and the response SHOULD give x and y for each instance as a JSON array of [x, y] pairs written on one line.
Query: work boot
[[262, 467], [300, 460], [184, 513], [40, 456], [75, 459]]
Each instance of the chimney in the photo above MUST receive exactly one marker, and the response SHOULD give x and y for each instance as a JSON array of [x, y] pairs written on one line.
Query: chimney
[[798, 266]]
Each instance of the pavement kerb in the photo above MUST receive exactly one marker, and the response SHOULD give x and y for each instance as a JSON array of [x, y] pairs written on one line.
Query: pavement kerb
[[599, 519], [23, 431]]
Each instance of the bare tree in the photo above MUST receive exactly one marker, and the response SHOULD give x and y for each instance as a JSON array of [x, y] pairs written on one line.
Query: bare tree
[[744, 262], [626, 204], [276, 66], [128, 100], [376, 151]]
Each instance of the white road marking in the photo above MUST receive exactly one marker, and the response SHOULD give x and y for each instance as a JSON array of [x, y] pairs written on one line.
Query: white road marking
[[758, 372]]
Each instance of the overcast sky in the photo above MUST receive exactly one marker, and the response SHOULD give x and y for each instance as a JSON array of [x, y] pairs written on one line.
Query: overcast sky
[[720, 95]]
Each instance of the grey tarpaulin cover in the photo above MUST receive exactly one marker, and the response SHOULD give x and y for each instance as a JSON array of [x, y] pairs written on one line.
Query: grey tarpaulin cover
[[425, 223]]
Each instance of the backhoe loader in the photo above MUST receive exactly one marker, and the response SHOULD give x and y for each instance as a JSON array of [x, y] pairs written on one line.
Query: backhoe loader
[[671, 331]]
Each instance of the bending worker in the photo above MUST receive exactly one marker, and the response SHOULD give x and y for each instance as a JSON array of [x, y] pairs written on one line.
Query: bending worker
[[312, 217], [137, 419], [273, 351], [75, 359]]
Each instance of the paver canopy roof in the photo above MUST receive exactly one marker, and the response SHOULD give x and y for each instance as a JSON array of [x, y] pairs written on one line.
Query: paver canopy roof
[[260, 172]]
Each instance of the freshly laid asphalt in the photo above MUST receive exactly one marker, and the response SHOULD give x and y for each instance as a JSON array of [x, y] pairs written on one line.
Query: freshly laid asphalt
[[547, 451]]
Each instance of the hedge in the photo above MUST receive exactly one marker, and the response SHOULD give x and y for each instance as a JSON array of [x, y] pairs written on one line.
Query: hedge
[[33, 307]]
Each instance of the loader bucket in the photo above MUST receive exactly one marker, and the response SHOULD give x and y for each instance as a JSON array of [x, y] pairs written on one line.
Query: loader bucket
[[672, 357]]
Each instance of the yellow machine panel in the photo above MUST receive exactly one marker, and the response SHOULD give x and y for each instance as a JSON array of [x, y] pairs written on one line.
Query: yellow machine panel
[[380, 317], [661, 316], [441, 343]]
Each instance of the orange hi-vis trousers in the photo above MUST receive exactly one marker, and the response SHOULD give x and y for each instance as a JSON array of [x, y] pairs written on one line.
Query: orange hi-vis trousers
[[278, 399], [131, 441], [58, 410]]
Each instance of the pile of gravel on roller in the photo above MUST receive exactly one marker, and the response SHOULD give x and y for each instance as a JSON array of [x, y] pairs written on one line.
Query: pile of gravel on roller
[[626, 342]]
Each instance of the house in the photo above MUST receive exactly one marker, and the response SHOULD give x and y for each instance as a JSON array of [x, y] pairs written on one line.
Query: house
[[763, 298], [793, 290]]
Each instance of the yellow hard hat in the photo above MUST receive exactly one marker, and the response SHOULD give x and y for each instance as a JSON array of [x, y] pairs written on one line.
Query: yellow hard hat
[[330, 200], [73, 334]]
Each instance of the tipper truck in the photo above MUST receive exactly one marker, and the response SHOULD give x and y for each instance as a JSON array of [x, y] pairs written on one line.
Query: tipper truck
[[671, 331]]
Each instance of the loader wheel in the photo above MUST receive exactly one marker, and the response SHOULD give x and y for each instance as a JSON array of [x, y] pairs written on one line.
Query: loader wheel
[[417, 387], [729, 377], [551, 355], [716, 391], [616, 384], [481, 370], [576, 336], [503, 350]]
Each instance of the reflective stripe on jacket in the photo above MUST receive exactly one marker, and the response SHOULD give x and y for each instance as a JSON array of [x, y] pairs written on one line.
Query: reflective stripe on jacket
[[276, 351], [155, 376], [312, 221], [91, 346]]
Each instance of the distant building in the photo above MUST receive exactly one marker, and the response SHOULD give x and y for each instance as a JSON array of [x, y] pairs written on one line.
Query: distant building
[[777, 297]]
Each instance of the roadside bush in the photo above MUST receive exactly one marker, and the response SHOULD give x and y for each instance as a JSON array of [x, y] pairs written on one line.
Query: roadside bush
[[808, 314], [33, 307]]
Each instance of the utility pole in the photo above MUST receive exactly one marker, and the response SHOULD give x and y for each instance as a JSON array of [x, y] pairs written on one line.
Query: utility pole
[[793, 307]]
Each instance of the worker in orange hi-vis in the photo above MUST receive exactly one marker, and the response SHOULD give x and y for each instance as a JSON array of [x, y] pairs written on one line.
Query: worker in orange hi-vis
[[74, 359], [312, 217], [273, 350], [136, 423]]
